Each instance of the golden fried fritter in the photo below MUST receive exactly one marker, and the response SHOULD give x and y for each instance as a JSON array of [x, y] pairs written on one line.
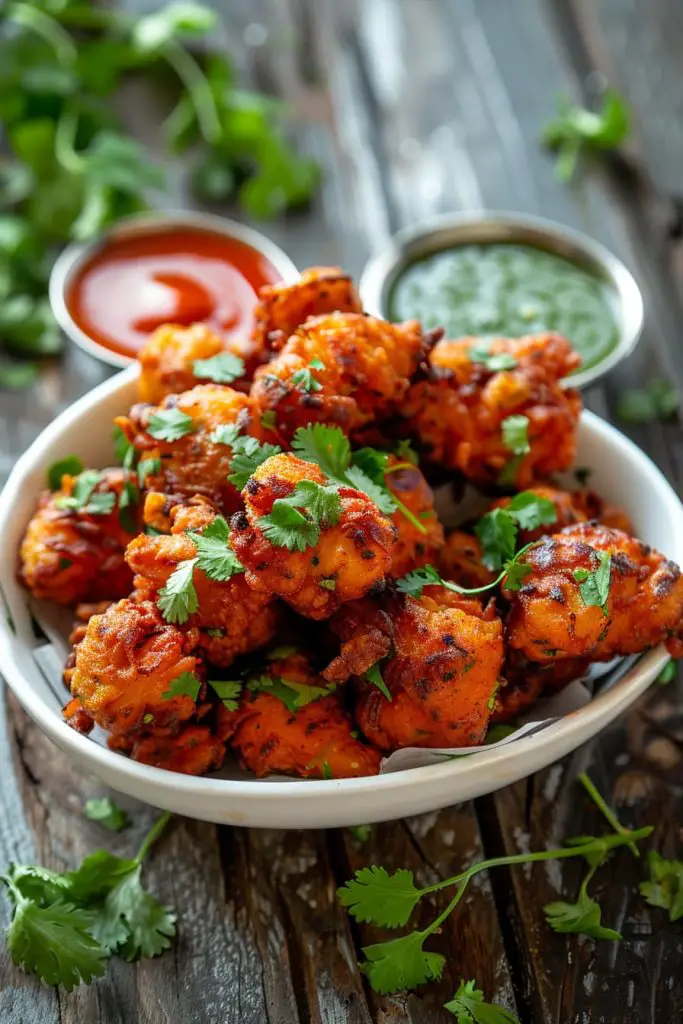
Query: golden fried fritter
[[414, 546], [231, 617], [594, 507], [457, 415], [195, 463], [283, 307], [70, 555], [193, 751], [128, 659], [343, 368], [549, 618], [525, 681], [349, 559], [166, 361], [442, 659], [314, 741], [460, 560]]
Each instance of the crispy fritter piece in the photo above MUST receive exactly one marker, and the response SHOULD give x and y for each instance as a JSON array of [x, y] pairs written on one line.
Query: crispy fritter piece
[[343, 368], [549, 619], [68, 555], [231, 618], [195, 750], [314, 741], [524, 682], [457, 414], [126, 662], [283, 307], [414, 547], [594, 507], [350, 558], [195, 463], [443, 655], [459, 560], [166, 361]]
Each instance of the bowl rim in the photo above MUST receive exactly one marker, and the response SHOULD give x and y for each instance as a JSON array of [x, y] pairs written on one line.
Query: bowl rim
[[430, 235], [76, 254], [164, 788]]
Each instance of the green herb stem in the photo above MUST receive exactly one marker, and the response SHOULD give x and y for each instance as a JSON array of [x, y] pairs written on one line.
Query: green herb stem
[[65, 134], [47, 28], [409, 515], [198, 88], [608, 813], [153, 834]]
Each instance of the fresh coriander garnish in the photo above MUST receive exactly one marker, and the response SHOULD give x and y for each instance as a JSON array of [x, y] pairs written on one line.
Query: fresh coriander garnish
[[214, 557], [247, 456], [515, 431], [513, 572], [594, 585], [327, 771], [405, 451], [492, 361], [668, 673], [293, 694], [281, 651], [582, 917], [361, 833], [170, 425], [374, 676], [148, 467], [228, 692], [185, 685], [64, 926], [129, 497], [497, 530], [295, 522], [107, 813], [223, 368], [178, 599], [658, 400], [468, 1006], [304, 379], [83, 497], [69, 466], [227, 434], [665, 887], [577, 129]]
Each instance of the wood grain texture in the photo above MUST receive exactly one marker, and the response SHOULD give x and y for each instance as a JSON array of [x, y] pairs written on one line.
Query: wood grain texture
[[414, 107]]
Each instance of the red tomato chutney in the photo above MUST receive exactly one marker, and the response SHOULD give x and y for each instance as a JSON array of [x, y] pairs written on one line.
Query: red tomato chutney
[[181, 275]]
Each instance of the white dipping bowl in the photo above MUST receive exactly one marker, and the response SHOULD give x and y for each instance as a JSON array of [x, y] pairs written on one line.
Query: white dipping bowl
[[621, 473]]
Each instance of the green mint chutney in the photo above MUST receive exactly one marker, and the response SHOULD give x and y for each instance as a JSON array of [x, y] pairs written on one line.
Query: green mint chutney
[[509, 290]]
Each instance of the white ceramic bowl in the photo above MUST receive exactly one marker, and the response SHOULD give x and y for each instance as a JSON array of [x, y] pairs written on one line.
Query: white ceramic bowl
[[621, 472]]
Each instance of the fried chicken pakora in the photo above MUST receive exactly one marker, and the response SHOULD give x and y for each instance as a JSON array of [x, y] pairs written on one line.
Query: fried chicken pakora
[[415, 544], [73, 546], [343, 368], [313, 741], [181, 433], [596, 593], [440, 659], [283, 307], [125, 669], [167, 360], [231, 618], [333, 560], [461, 415]]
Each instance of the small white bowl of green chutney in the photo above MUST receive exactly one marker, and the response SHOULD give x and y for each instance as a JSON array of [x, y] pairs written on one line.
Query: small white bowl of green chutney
[[505, 274]]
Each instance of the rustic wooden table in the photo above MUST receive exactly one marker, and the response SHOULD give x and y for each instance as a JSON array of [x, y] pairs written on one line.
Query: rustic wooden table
[[414, 107]]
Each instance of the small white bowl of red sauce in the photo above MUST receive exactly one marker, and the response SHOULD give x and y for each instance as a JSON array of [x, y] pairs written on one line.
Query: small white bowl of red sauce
[[110, 294]]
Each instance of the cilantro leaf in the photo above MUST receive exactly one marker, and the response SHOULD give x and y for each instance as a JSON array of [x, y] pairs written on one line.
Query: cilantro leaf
[[83, 497], [576, 129], [378, 493], [223, 368], [71, 466], [148, 467], [531, 510], [492, 361], [374, 676], [170, 425], [361, 833], [514, 572], [375, 895], [305, 381], [405, 451], [178, 599], [665, 887], [582, 917], [658, 400], [185, 685], [594, 586], [668, 673], [247, 456], [326, 447], [469, 1007], [55, 943], [515, 430], [214, 557], [226, 434], [401, 963], [413, 583], [294, 695], [295, 521], [107, 813], [149, 926], [124, 451], [228, 692], [497, 533]]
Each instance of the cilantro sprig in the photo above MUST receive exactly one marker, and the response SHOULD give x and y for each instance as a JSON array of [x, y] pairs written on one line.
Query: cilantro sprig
[[493, 361], [293, 694], [222, 369], [497, 530], [65, 926], [170, 425], [295, 522], [107, 813], [577, 130], [389, 899], [515, 433], [513, 572], [594, 585], [665, 886], [178, 599], [468, 1006], [84, 498]]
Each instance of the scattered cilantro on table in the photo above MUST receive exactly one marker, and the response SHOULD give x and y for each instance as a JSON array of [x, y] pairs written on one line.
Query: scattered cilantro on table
[[106, 812], [576, 130], [658, 400]]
